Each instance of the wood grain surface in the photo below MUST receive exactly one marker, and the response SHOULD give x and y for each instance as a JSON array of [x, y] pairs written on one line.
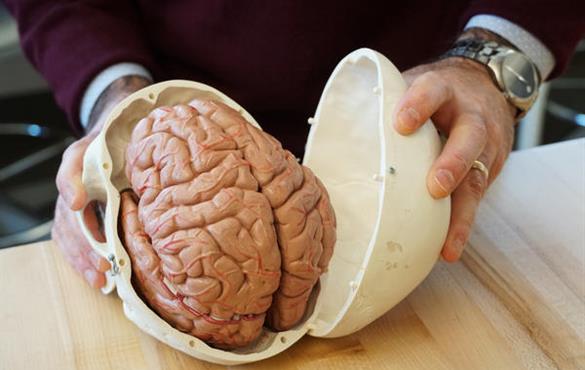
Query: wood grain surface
[[515, 301]]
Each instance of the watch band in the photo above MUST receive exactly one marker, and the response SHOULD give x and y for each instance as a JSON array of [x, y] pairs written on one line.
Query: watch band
[[474, 49]]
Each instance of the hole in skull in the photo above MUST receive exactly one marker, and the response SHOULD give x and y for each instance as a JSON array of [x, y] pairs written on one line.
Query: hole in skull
[[151, 96], [93, 217], [121, 262], [191, 343], [283, 340]]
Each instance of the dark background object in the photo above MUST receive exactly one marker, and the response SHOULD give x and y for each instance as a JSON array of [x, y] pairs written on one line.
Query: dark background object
[[567, 95], [34, 133]]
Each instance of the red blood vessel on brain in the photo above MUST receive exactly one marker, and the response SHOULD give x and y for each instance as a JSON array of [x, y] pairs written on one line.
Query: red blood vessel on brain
[[226, 231]]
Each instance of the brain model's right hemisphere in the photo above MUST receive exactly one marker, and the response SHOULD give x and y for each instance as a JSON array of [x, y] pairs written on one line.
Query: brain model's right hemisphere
[[226, 231]]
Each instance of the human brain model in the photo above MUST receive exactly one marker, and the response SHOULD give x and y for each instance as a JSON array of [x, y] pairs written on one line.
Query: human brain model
[[226, 230]]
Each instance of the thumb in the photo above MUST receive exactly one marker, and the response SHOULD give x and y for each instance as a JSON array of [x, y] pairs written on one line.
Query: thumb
[[69, 175]]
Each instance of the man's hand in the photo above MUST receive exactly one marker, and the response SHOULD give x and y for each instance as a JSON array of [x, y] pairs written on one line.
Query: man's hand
[[72, 196], [464, 104]]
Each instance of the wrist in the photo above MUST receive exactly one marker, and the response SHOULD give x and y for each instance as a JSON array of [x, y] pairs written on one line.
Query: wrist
[[112, 95]]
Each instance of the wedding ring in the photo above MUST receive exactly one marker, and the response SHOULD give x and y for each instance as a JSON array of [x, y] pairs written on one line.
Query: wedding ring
[[478, 165]]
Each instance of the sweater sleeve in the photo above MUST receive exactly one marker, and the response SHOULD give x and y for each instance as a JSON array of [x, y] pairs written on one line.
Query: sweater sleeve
[[70, 42], [559, 24]]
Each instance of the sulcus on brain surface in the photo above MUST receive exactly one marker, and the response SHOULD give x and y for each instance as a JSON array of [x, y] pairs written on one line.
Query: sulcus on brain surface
[[226, 231]]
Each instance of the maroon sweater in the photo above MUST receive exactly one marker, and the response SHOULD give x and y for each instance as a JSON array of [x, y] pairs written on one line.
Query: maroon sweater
[[273, 57]]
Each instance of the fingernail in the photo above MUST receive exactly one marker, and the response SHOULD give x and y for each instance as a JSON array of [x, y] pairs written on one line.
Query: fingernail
[[445, 181], [100, 263], [77, 197], [408, 119], [103, 265], [453, 251], [91, 276]]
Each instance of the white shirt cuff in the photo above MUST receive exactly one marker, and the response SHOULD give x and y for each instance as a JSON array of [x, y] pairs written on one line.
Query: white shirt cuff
[[532, 47], [102, 81]]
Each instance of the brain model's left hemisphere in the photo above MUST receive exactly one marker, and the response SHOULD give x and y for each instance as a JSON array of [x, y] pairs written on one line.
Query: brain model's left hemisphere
[[225, 229]]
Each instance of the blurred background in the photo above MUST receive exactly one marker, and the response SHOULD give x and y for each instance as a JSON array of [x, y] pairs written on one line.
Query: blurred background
[[34, 134]]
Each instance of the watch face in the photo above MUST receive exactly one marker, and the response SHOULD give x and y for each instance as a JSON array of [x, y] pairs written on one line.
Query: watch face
[[519, 76]]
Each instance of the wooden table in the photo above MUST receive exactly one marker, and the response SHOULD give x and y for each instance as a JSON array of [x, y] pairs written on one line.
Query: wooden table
[[516, 301]]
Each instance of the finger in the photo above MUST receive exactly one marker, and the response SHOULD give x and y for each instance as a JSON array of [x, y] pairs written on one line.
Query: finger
[[425, 96], [465, 201], [93, 226], [75, 248], [90, 265], [79, 261], [497, 166], [466, 141], [98, 262], [409, 77], [94, 278], [69, 175]]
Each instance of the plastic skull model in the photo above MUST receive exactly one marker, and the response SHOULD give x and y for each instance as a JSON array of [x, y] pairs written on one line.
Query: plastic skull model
[[244, 189], [228, 227]]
